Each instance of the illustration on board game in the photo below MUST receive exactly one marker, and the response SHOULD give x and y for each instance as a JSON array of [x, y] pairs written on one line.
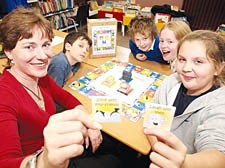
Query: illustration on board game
[[130, 84]]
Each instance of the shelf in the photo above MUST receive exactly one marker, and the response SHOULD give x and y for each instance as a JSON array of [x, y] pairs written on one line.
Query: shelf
[[32, 1], [67, 28], [94, 12], [57, 12]]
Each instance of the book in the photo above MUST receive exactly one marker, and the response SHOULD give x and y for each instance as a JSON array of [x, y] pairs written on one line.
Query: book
[[146, 11], [162, 18], [93, 5]]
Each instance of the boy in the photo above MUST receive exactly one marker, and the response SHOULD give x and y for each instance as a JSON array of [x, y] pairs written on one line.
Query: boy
[[66, 63], [144, 42]]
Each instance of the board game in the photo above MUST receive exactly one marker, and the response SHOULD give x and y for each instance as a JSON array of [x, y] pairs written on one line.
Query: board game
[[131, 84], [103, 35]]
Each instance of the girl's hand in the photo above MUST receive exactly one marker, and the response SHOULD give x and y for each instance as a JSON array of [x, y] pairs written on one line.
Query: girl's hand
[[141, 57], [167, 150], [64, 136]]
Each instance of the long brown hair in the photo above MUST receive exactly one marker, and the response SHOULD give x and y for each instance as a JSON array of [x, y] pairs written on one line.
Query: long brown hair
[[19, 24]]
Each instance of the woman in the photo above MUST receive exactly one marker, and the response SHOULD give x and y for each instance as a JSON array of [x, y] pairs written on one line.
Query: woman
[[31, 132]]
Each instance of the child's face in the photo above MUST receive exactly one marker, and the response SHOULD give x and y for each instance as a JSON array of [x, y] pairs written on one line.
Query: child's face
[[79, 50], [143, 42], [168, 44], [195, 69]]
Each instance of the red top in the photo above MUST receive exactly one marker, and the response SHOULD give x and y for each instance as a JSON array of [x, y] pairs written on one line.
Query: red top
[[22, 121]]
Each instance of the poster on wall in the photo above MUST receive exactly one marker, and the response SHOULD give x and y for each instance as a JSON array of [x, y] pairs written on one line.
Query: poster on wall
[[103, 33]]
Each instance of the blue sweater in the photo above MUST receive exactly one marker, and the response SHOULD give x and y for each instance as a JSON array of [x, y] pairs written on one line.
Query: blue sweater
[[152, 55], [59, 68]]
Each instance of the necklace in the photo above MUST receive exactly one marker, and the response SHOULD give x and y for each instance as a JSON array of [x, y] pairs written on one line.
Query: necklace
[[40, 101], [36, 95]]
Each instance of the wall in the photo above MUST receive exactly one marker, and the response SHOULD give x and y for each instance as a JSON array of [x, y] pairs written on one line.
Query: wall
[[150, 3], [207, 16]]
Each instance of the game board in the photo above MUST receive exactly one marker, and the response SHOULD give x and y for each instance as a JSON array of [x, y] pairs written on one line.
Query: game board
[[108, 80], [103, 33]]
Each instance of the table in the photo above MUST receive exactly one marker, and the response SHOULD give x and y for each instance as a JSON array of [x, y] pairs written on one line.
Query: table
[[111, 14], [3, 62], [159, 26], [126, 22], [93, 12], [128, 132]]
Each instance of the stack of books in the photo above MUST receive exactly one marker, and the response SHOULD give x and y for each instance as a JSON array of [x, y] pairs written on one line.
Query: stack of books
[[54, 6], [146, 11]]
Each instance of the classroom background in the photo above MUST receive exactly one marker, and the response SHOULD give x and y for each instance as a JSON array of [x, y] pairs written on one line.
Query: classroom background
[[72, 15]]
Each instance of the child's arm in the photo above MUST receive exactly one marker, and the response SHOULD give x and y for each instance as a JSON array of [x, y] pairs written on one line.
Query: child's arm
[[57, 69], [141, 57], [134, 50], [168, 151], [206, 159], [76, 67], [58, 75], [94, 135]]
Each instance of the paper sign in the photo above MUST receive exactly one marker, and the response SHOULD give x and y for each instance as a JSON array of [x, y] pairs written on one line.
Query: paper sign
[[57, 40], [106, 109], [158, 116]]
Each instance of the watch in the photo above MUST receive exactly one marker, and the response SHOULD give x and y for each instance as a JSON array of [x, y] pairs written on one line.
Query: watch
[[32, 163]]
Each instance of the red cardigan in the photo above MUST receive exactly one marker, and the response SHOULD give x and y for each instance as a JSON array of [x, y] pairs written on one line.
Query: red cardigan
[[22, 121]]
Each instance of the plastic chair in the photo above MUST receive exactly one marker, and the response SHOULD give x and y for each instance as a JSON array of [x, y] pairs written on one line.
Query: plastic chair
[[82, 14], [74, 23], [71, 16]]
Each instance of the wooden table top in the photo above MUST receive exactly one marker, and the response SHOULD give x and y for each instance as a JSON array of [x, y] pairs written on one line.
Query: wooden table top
[[128, 132]]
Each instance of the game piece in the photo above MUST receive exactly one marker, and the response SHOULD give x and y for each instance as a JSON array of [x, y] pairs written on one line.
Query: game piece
[[125, 88], [127, 74]]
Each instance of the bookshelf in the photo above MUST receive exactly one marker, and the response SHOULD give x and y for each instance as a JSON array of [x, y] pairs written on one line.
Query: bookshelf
[[58, 12], [32, 1]]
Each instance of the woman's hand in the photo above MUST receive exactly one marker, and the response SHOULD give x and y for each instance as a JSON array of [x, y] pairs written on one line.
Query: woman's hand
[[141, 57], [64, 136], [95, 138], [167, 151]]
